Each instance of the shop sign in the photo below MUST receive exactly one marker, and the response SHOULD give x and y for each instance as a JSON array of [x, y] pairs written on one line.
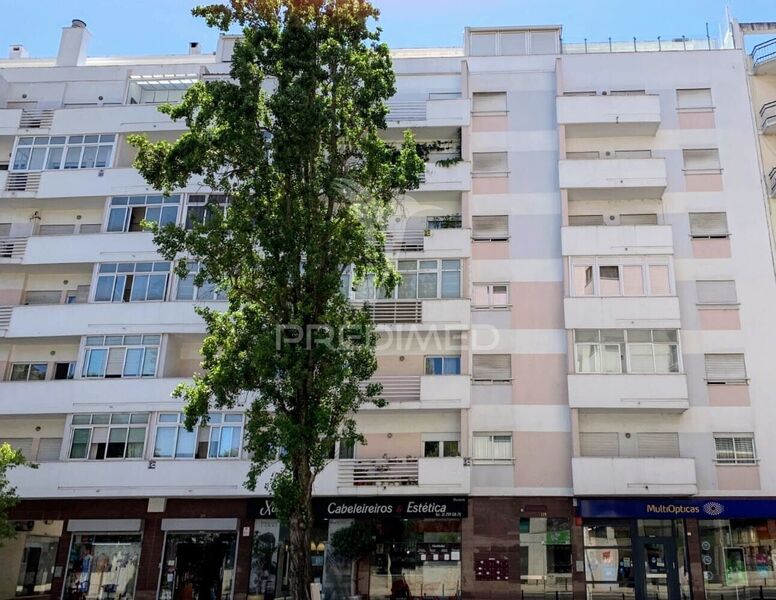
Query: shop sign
[[410, 507], [680, 508]]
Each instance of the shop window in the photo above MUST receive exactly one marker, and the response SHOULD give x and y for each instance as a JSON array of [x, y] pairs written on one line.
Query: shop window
[[200, 566], [108, 436], [28, 371], [101, 564], [201, 208], [490, 295], [443, 365], [220, 438], [189, 290], [132, 282], [735, 449], [609, 568], [626, 351], [492, 447], [127, 213], [545, 555], [711, 225], [64, 152], [115, 356], [34, 550]]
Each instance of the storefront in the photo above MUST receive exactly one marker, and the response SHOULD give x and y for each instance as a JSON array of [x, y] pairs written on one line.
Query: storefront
[[679, 548], [30, 558], [374, 547]]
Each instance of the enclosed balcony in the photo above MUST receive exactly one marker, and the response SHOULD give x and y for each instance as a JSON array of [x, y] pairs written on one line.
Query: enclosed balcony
[[609, 116], [602, 240], [629, 392], [613, 178], [618, 476]]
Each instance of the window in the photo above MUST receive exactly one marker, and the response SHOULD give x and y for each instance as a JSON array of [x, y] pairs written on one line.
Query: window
[[106, 436], [452, 221], [420, 279], [735, 449], [127, 213], [657, 445], [599, 444], [64, 152], [513, 42], [188, 290], [492, 447], [441, 445], [643, 444], [701, 160], [28, 371], [443, 365], [221, 437], [64, 370], [132, 282], [582, 220], [491, 295], [545, 553], [709, 225], [716, 292], [113, 356], [490, 228], [201, 207], [489, 102], [621, 277], [725, 368], [639, 219], [632, 351], [491, 368], [490, 163], [694, 99]]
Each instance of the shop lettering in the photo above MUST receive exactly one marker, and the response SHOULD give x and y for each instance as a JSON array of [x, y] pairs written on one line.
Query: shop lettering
[[359, 509], [426, 508], [673, 509], [268, 510]]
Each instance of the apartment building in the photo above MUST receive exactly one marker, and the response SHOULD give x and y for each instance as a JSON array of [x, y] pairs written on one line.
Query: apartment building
[[576, 363]]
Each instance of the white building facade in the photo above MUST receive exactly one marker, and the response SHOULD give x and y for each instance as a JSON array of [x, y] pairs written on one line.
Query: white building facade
[[577, 363]]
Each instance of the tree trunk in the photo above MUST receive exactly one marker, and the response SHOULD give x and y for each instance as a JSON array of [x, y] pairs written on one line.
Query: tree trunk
[[300, 523]]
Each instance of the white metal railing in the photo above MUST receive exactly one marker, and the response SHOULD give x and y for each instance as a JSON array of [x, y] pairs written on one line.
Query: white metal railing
[[677, 44], [398, 388], [768, 115], [772, 182], [378, 471], [5, 316], [22, 182], [36, 119], [394, 311], [12, 247], [764, 52], [410, 240], [406, 110]]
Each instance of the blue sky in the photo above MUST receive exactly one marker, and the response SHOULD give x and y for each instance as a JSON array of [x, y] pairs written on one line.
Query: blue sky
[[131, 27]]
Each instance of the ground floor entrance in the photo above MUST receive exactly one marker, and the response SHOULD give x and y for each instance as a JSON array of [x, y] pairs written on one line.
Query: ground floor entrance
[[198, 566]]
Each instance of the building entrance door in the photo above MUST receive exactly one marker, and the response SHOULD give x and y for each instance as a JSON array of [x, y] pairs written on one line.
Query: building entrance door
[[656, 569], [198, 566]]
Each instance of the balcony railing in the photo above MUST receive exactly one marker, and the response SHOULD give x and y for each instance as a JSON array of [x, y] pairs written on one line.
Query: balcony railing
[[22, 182], [378, 472], [404, 241], [36, 119], [764, 52], [5, 316], [407, 110], [677, 44], [772, 182], [394, 311], [768, 115], [398, 388], [12, 247]]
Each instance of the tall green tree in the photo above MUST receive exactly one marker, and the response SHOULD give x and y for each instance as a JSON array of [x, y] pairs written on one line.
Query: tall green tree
[[9, 458], [292, 138]]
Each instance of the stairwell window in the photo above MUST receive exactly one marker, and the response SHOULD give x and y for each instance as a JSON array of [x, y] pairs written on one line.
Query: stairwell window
[[491, 368], [64, 152], [221, 437], [132, 282], [443, 365], [709, 225], [725, 368], [490, 228], [491, 295], [492, 447], [28, 372], [108, 436], [735, 449], [116, 356], [127, 213]]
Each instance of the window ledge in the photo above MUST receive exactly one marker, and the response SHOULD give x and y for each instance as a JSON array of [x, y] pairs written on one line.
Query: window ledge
[[505, 307], [716, 171], [490, 113], [492, 461], [490, 175], [722, 463], [732, 382], [485, 239], [718, 305]]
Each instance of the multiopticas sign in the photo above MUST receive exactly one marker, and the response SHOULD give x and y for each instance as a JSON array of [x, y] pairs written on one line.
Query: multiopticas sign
[[672, 509]]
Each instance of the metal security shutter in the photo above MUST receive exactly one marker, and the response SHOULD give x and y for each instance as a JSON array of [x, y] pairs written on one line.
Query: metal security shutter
[[642, 219], [689, 99], [48, 449], [489, 162], [725, 368], [701, 160], [490, 228], [43, 297], [599, 444], [489, 102], [581, 220], [491, 367], [56, 229], [716, 292], [708, 224], [115, 364], [658, 444], [23, 444]]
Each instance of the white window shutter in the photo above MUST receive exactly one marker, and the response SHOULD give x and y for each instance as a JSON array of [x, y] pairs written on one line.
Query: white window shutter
[[599, 444], [716, 292], [710, 224], [639, 219], [481, 446], [491, 367], [581, 220], [701, 160], [658, 444], [489, 162], [490, 227], [725, 368], [484, 102], [115, 364], [693, 99], [48, 449], [22, 444]]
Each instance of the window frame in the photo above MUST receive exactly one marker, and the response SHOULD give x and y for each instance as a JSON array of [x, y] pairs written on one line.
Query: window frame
[[441, 439], [491, 437], [212, 426], [64, 147], [93, 347], [735, 460], [127, 204], [109, 426], [622, 263], [626, 349], [489, 294], [194, 268], [367, 292], [28, 371], [445, 358], [103, 271]]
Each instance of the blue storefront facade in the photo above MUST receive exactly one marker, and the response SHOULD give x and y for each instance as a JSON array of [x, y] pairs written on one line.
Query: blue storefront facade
[[677, 548]]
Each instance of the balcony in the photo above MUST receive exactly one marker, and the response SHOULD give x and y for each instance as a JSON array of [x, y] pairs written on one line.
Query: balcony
[[89, 248], [424, 392], [604, 476], [768, 118], [455, 178], [609, 116], [399, 476], [602, 240], [764, 58], [641, 312], [613, 178], [432, 243], [12, 249], [772, 183], [9, 121], [128, 118], [88, 395], [451, 111], [629, 392], [397, 315]]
